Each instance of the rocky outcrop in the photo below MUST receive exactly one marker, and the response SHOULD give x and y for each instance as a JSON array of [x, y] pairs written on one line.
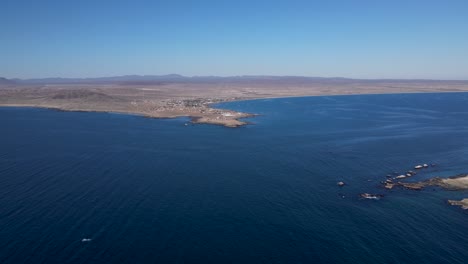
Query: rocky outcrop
[[459, 182], [463, 203]]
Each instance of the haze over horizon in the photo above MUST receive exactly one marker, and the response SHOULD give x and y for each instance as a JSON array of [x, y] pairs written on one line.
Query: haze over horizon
[[175, 77], [362, 39]]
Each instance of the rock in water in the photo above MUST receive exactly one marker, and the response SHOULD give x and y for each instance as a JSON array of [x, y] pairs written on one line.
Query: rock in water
[[371, 196], [463, 203]]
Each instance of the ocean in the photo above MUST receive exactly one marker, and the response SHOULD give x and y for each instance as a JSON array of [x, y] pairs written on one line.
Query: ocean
[[80, 187]]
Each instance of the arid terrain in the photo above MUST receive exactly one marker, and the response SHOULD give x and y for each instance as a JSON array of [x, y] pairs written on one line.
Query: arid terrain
[[175, 96]]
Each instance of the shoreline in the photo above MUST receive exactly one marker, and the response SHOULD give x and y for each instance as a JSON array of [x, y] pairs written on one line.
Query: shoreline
[[207, 113], [195, 119]]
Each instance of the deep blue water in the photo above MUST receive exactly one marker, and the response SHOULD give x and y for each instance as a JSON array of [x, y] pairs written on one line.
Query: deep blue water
[[156, 191]]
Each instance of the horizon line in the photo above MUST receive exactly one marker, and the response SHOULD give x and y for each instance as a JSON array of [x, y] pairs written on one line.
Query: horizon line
[[175, 75]]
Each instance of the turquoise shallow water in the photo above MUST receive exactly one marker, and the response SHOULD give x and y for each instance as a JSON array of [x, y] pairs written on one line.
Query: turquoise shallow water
[[156, 191]]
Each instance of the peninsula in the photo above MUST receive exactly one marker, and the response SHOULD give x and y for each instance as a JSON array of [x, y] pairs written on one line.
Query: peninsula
[[170, 96]]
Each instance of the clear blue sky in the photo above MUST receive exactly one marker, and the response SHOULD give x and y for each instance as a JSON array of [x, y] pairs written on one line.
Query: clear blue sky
[[349, 38]]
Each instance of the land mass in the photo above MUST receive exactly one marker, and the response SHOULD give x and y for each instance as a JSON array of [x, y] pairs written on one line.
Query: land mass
[[458, 182], [453, 183], [463, 203], [173, 95]]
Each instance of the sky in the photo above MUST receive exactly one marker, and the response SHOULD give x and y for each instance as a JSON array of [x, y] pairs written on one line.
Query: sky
[[349, 38]]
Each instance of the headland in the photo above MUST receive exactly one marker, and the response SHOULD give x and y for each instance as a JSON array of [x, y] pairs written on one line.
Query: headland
[[173, 96]]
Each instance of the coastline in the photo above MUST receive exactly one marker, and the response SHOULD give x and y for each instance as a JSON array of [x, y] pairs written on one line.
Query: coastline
[[205, 113], [230, 122]]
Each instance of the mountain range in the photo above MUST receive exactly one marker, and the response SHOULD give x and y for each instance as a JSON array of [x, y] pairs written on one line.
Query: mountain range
[[176, 78]]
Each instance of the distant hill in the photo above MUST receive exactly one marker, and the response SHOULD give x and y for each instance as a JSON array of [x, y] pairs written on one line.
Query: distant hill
[[103, 80], [5, 81], [176, 78], [244, 79]]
